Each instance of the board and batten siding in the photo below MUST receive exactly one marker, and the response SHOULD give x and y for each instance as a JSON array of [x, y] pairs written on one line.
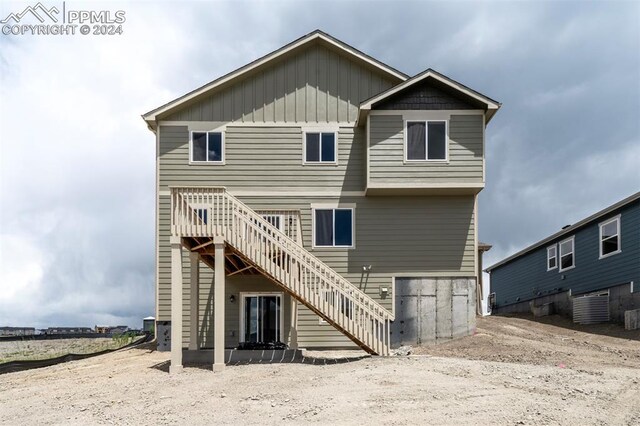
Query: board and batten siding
[[527, 275], [387, 163], [315, 84]]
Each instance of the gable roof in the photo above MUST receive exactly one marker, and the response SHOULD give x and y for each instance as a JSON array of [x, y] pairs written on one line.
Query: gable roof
[[568, 230], [490, 105], [317, 35]]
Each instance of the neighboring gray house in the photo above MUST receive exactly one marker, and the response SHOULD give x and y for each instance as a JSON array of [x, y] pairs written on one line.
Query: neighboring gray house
[[600, 254], [318, 198]]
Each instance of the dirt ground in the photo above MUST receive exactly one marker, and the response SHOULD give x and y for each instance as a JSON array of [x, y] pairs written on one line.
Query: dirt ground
[[513, 371]]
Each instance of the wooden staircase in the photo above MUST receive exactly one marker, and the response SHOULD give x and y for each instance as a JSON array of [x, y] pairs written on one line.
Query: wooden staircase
[[208, 212]]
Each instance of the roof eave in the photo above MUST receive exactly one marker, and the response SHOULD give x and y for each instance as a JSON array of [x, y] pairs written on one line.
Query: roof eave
[[491, 106]]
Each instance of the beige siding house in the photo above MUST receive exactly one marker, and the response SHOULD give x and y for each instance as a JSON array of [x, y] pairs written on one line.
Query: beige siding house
[[317, 198]]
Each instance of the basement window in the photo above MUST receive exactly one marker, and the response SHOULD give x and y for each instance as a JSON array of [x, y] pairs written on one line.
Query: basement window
[[610, 237], [552, 257], [426, 141], [320, 148], [333, 228], [567, 260], [207, 147]]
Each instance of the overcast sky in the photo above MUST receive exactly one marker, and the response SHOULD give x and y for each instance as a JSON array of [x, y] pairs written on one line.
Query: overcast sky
[[77, 162]]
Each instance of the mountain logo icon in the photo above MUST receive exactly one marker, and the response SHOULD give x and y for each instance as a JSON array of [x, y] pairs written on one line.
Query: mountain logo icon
[[38, 11]]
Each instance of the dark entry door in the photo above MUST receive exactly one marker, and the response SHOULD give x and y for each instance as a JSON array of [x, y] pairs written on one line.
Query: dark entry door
[[262, 319]]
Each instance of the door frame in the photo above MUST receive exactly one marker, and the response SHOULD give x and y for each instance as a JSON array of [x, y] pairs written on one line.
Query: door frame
[[243, 297]]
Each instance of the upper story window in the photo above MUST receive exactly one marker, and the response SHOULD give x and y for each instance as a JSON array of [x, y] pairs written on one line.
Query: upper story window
[[426, 140], [567, 258], [333, 227], [610, 237], [552, 257], [207, 147], [320, 147]]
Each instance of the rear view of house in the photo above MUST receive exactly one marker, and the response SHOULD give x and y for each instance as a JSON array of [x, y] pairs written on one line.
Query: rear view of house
[[589, 270], [318, 198]]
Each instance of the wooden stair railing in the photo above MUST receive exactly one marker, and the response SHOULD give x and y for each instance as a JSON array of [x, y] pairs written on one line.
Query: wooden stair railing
[[207, 212]]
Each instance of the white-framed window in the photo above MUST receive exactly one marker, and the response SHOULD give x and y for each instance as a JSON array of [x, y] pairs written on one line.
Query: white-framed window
[[426, 140], [567, 256], [320, 147], [277, 220], [610, 243], [206, 148], [203, 215], [333, 227], [552, 257]]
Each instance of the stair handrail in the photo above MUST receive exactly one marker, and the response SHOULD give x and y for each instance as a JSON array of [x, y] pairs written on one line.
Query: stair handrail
[[278, 237]]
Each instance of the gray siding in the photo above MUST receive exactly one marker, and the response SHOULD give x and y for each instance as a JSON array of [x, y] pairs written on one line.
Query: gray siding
[[386, 153], [263, 157], [526, 276], [434, 237], [423, 96], [316, 84]]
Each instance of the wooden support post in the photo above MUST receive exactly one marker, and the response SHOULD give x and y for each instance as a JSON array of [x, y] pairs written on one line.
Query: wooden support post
[[219, 301], [176, 306], [194, 299], [293, 340]]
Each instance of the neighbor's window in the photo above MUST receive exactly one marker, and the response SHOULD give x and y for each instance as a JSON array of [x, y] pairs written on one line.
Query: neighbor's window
[[610, 237], [567, 260], [320, 147], [552, 257], [207, 147], [426, 140], [333, 227]]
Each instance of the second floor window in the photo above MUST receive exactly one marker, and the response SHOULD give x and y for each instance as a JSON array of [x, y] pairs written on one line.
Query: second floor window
[[552, 258], [207, 147], [610, 237], [567, 260], [320, 147], [426, 141]]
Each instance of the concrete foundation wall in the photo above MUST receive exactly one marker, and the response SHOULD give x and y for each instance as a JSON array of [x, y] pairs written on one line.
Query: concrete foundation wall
[[562, 305], [432, 310], [621, 299]]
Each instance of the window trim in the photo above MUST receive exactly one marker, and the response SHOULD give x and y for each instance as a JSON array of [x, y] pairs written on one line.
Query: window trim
[[618, 234], [555, 247], [243, 296], [206, 162], [319, 162], [273, 215], [426, 142], [573, 253], [353, 227]]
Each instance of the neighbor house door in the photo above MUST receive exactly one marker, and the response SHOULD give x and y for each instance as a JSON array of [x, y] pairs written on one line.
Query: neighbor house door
[[261, 318]]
